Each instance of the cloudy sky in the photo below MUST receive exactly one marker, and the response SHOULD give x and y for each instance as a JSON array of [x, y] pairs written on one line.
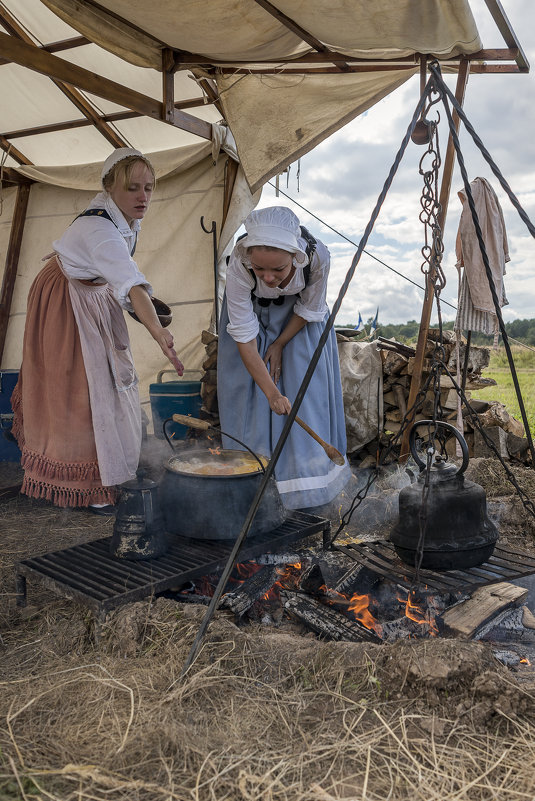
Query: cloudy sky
[[341, 179]]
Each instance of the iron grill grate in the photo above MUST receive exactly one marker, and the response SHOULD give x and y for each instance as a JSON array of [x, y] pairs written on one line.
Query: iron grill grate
[[381, 557], [91, 575]]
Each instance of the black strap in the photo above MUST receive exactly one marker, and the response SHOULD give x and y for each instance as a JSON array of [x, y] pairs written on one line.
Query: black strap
[[104, 214], [309, 250]]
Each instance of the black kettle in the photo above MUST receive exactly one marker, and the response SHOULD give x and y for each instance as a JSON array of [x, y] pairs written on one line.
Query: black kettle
[[138, 532], [457, 532]]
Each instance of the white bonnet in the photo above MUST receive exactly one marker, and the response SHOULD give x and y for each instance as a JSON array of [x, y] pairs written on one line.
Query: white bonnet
[[276, 227], [119, 154]]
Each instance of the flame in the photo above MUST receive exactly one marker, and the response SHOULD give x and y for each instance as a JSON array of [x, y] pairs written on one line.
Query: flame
[[419, 614], [525, 661], [215, 451], [288, 579], [358, 604]]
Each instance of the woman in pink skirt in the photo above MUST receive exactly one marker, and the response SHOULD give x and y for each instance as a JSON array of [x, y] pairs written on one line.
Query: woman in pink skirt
[[77, 416]]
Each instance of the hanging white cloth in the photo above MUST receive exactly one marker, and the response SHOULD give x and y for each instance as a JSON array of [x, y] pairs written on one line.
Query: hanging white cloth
[[476, 311]]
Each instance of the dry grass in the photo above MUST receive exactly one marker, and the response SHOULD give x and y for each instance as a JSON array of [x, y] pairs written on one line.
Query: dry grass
[[264, 714], [279, 717]]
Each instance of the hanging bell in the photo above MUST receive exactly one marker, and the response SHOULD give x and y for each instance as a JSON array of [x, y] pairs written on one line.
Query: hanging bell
[[138, 532], [445, 524]]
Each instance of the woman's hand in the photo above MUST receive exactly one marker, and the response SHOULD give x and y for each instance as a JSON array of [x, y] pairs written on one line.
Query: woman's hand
[[279, 403], [165, 340], [146, 313], [273, 361]]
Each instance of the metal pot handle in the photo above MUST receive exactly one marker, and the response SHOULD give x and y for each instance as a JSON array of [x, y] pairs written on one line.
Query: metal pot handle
[[258, 459], [208, 426], [452, 429]]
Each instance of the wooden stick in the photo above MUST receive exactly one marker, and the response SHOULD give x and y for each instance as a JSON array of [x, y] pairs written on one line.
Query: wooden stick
[[192, 422], [334, 455]]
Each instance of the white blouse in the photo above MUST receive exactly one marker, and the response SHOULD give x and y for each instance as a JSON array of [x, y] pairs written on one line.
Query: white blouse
[[310, 304], [93, 247]]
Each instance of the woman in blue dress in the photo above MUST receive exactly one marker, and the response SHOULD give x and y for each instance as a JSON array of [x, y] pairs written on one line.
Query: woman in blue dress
[[272, 318]]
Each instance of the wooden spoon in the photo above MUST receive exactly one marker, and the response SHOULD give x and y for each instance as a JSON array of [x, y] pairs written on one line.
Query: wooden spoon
[[334, 455]]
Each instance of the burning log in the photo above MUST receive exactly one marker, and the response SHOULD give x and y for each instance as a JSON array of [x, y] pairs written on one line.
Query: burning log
[[505, 627], [326, 621], [357, 579], [280, 558], [252, 589]]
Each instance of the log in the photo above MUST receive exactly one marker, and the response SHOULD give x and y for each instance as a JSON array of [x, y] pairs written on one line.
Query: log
[[358, 579], [394, 363], [326, 622], [466, 618], [252, 589]]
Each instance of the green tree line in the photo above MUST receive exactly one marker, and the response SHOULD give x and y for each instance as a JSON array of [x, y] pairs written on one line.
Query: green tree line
[[407, 333]]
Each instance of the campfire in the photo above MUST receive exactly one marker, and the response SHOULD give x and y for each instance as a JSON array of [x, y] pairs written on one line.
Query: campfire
[[341, 601]]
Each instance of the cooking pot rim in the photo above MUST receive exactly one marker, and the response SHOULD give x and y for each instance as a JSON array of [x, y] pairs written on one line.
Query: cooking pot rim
[[190, 474]]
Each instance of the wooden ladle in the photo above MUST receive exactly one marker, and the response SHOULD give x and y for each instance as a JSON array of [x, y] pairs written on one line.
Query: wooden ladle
[[333, 454]]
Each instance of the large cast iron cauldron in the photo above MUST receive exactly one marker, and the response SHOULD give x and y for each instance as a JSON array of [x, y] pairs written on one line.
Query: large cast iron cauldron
[[208, 497], [457, 531]]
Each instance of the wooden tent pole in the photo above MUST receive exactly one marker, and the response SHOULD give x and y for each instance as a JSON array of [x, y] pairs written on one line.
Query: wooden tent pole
[[445, 188], [231, 171], [12, 260]]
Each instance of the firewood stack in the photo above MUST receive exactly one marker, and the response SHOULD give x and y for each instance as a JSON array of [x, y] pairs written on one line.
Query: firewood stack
[[209, 409], [506, 433]]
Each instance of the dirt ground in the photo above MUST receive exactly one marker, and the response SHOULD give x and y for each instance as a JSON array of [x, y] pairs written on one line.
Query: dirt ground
[[265, 712]]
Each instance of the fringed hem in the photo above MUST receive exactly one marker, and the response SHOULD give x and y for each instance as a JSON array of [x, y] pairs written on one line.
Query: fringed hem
[[50, 470], [68, 497]]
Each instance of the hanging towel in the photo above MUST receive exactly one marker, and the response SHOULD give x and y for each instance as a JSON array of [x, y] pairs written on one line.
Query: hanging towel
[[476, 311]]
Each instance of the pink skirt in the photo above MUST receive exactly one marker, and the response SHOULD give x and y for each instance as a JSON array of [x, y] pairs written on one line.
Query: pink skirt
[[52, 411]]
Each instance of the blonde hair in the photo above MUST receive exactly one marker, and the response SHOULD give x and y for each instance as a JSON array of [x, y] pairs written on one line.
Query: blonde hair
[[123, 169], [267, 248]]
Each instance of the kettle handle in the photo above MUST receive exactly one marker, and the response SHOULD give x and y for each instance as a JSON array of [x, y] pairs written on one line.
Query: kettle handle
[[452, 429]]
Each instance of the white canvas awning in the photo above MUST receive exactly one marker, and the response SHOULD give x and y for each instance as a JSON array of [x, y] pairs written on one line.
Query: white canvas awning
[[275, 116]]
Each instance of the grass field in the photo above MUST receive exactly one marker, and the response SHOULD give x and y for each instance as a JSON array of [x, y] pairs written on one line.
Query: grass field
[[504, 391]]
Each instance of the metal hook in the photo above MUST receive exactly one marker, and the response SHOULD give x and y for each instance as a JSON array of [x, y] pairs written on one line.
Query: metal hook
[[208, 230], [212, 231]]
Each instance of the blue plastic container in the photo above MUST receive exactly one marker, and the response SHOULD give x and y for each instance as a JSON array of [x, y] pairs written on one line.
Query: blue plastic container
[[9, 450], [174, 397]]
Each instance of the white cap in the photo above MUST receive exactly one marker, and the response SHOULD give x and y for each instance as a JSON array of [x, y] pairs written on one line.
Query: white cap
[[119, 154], [276, 227]]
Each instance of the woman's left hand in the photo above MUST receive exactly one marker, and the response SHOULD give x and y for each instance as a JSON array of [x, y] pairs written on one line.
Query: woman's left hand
[[273, 361], [165, 340]]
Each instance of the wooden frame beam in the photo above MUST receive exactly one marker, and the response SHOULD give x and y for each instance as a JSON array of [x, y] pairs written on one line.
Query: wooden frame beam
[[77, 99], [7, 147], [187, 60], [47, 64], [10, 176], [117, 116], [12, 260], [510, 38], [300, 32]]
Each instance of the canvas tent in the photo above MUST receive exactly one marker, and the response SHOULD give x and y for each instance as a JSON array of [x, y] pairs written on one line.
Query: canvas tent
[[80, 77]]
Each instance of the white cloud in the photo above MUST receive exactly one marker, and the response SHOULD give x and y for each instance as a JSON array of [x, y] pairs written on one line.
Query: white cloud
[[343, 177]]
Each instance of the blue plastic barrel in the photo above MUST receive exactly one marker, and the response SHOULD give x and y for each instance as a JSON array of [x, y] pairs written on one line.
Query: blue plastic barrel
[[9, 450], [167, 398]]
